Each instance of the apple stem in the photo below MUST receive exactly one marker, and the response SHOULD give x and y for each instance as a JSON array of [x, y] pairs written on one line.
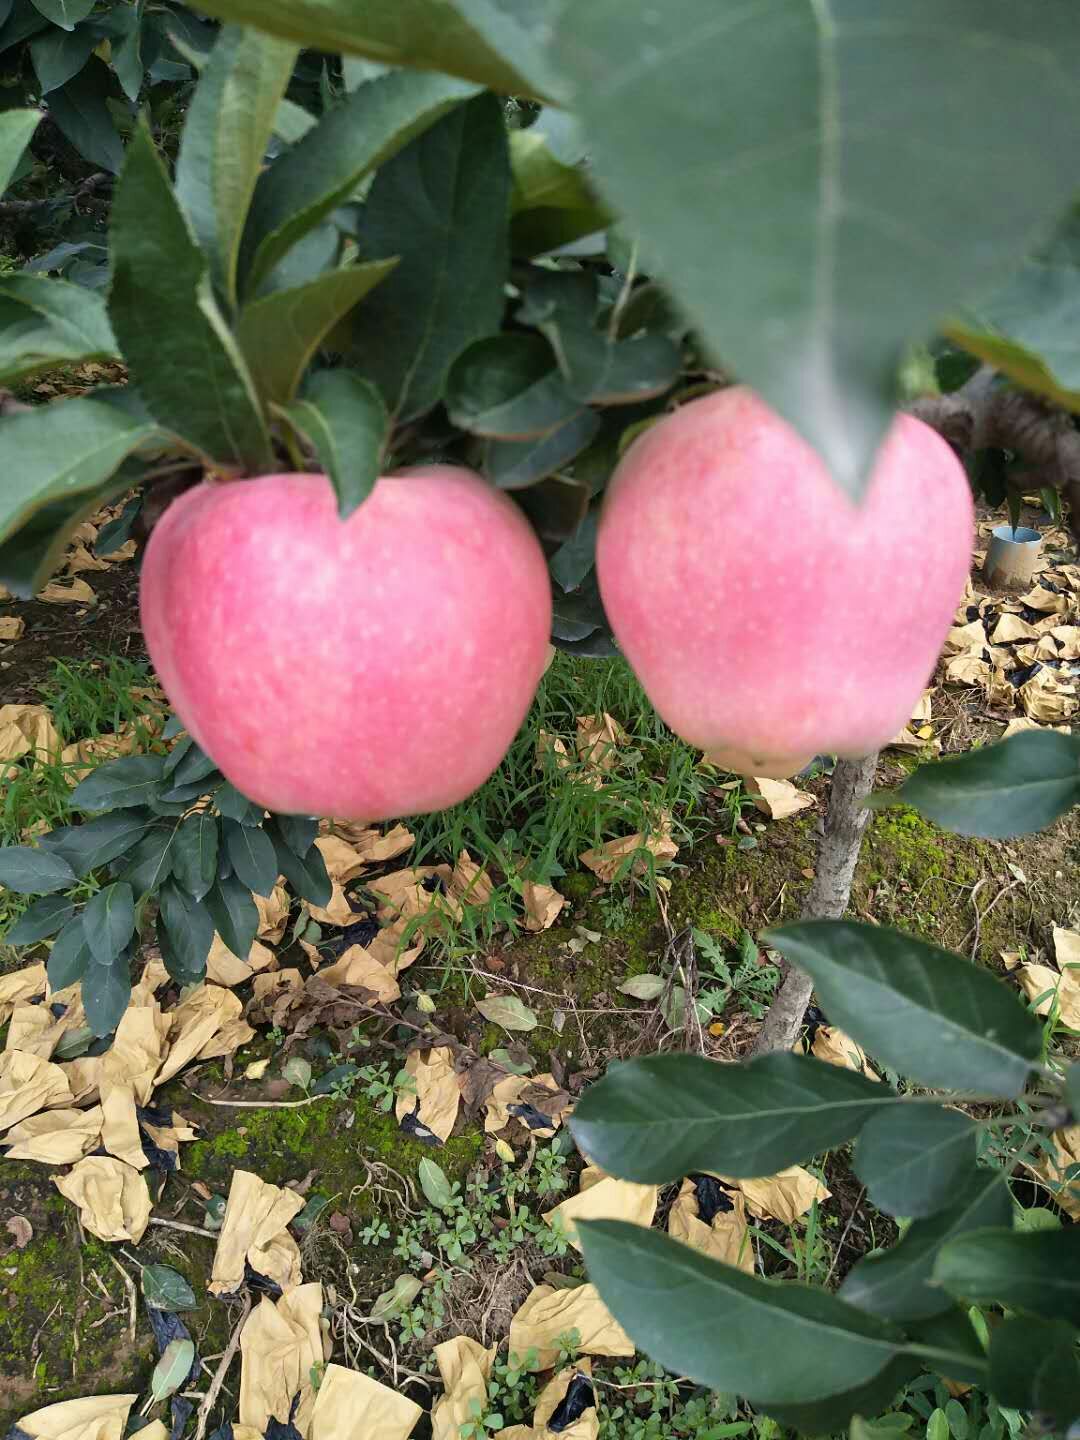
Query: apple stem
[[834, 870]]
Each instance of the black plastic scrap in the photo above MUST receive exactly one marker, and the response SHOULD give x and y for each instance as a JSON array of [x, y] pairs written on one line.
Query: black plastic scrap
[[712, 1198], [578, 1398]]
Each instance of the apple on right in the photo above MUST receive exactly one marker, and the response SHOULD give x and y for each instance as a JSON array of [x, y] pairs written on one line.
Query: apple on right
[[768, 617]]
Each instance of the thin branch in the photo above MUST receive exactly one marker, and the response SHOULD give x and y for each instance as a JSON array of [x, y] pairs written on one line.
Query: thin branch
[[88, 186]]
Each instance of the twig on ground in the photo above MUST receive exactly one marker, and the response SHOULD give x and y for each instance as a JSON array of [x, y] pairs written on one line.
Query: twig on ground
[[202, 1419], [179, 1225], [843, 1237], [133, 1297]]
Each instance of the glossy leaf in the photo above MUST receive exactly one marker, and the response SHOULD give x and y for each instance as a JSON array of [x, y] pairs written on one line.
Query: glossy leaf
[[507, 387], [88, 847], [299, 832], [759, 1338], [237, 807], [498, 43], [1037, 1272], [251, 852], [912, 1157], [899, 1284], [281, 333], [44, 918], [166, 1289], [516, 464], [441, 205], [185, 933], [119, 784], [65, 13], [150, 862], [921, 1010], [193, 767], [30, 871], [657, 1119], [16, 131], [106, 990], [1034, 1366], [234, 914], [344, 419], [126, 59], [808, 220], [59, 54], [175, 341], [80, 111], [949, 1343], [109, 922], [69, 956], [226, 134], [1014, 788], [355, 137], [48, 322], [195, 853], [59, 453], [306, 875]]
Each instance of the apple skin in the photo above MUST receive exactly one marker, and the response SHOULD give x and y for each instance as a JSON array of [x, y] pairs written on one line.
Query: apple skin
[[372, 668], [768, 618]]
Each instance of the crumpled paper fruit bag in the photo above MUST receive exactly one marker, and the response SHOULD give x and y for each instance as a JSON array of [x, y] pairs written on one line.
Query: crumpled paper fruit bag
[[558, 1394], [92, 1417], [353, 1406], [605, 1199], [56, 1137], [21, 985], [548, 1314], [280, 1343], [465, 1368], [255, 1231], [725, 1235], [113, 1201], [29, 1084], [438, 1093]]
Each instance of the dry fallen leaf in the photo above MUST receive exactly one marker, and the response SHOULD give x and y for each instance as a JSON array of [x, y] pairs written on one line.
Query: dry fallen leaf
[[968, 670], [465, 1369], [12, 627], [552, 745], [418, 890], [113, 1201], [1046, 601], [607, 861], [20, 985], [255, 1232], [543, 906], [27, 730], [29, 1084], [1067, 1157], [1021, 723], [20, 1230], [273, 914], [778, 798], [1043, 985], [539, 1092], [56, 1137], [599, 738], [586, 1427], [358, 966], [548, 1314], [78, 592], [1011, 628], [470, 883], [225, 968], [437, 1092]]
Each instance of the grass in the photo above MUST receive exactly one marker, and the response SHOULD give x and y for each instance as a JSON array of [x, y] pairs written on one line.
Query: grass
[[88, 698]]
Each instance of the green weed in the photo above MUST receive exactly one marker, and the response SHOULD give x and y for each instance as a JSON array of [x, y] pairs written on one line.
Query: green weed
[[88, 698]]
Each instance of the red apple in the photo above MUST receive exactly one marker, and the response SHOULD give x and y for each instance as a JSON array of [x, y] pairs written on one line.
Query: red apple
[[769, 618], [373, 667]]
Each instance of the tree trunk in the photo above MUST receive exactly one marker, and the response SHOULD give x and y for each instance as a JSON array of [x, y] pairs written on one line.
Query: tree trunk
[[837, 856]]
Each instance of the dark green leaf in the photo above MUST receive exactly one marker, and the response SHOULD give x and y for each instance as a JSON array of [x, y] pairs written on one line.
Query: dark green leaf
[[109, 922], [60, 452], [126, 48], [183, 795], [195, 853], [69, 956], [228, 128], [307, 876], [332, 1078], [185, 933], [497, 44], [281, 333], [922, 1010], [176, 754], [30, 556], [34, 872], [16, 130], [825, 1417], [235, 917], [119, 784], [65, 13], [507, 387], [555, 506], [552, 202], [175, 341], [345, 420], [251, 853], [166, 1289], [441, 205], [898, 1284], [48, 322], [660, 1118], [87, 847], [911, 1158], [74, 1043], [573, 561], [106, 990], [807, 220], [194, 767], [119, 531], [948, 1343], [516, 464], [235, 806], [1038, 1272], [1014, 788], [79, 110], [60, 54], [299, 832], [728, 1330], [364, 131], [150, 862], [44, 918], [1034, 1366]]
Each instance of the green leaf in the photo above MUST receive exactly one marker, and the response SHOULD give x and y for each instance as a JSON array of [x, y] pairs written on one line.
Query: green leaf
[[1034, 1366], [119, 531], [109, 922], [1020, 786], [195, 855], [34, 872], [193, 767], [657, 1119], [61, 452], [728, 1330], [80, 111], [281, 333], [302, 187], [517, 464], [34, 552], [235, 917], [808, 218], [106, 990], [88, 847], [48, 322], [119, 784], [16, 131], [949, 1344], [507, 1011], [344, 419], [185, 932], [298, 832], [574, 560], [166, 1289], [150, 863], [911, 1158], [1038, 1272], [65, 13], [69, 956], [44, 918], [126, 48], [507, 387], [172, 1369], [825, 1417], [251, 852], [921, 1010], [307, 876], [498, 43], [435, 1185], [899, 1284], [441, 205], [234, 806], [57, 55], [181, 353], [552, 203], [228, 128]]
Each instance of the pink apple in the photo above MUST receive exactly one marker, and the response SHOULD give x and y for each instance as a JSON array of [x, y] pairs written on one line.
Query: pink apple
[[768, 618], [369, 668]]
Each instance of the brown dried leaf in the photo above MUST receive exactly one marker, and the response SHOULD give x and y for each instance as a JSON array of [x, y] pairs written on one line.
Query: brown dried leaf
[[78, 592], [27, 730], [778, 799], [836, 1048], [465, 1367], [21, 1231], [599, 739], [607, 1199], [352, 1403], [358, 966], [12, 627], [543, 906]]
